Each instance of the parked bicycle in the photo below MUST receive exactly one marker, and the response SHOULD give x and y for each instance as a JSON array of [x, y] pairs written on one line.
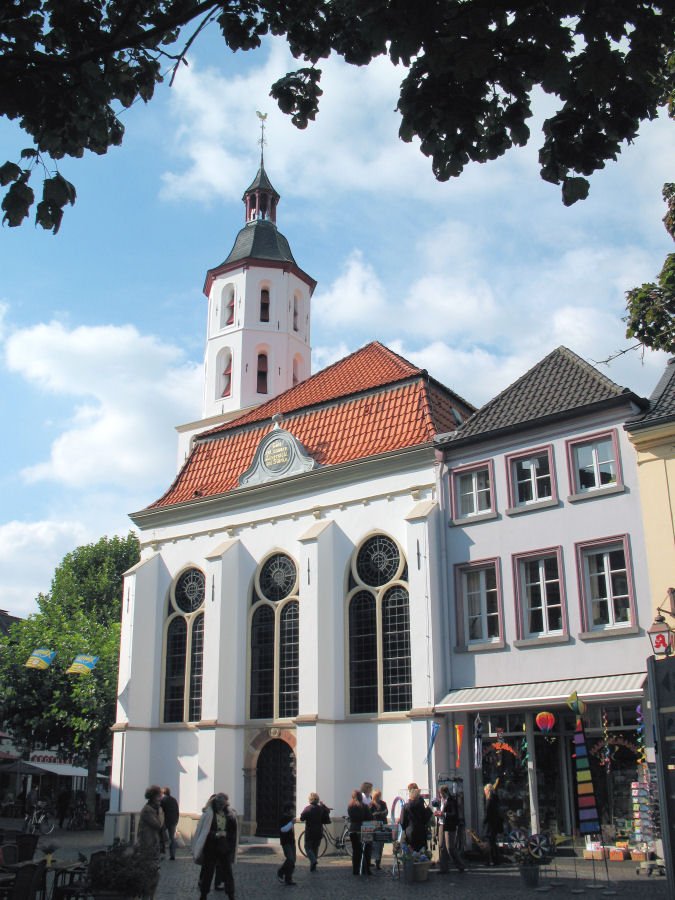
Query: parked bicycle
[[341, 843], [39, 820], [79, 818]]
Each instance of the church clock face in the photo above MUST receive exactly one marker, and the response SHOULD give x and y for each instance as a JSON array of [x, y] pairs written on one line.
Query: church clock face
[[277, 456]]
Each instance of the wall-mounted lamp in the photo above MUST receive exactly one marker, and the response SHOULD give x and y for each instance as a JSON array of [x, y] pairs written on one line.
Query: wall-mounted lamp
[[661, 634]]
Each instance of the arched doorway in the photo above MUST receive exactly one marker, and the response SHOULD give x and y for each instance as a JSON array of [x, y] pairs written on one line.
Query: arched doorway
[[275, 785]]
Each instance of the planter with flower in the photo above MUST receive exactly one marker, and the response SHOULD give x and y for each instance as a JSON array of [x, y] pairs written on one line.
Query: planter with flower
[[49, 850], [416, 863], [530, 851], [120, 874]]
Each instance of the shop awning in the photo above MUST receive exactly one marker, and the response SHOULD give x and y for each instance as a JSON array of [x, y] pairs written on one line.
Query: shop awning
[[63, 769], [605, 688]]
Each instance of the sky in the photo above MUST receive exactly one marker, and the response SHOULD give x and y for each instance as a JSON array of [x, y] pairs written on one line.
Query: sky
[[102, 327]]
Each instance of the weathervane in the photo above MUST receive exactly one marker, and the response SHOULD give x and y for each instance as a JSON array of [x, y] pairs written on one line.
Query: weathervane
[[262, 117]]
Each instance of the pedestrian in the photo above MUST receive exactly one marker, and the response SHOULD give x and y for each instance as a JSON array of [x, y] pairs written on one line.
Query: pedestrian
[[214, 844], [150, 827], [287, 840], [62, 805], [171, 816], [366, 791], [415, 819], [315, 815], [359, 813], [378, 812], [492, 822], [448, 820]]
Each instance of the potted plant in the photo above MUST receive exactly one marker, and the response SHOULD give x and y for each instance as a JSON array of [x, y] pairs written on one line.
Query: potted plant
[[119, 874], [49, 850], [530, 852]]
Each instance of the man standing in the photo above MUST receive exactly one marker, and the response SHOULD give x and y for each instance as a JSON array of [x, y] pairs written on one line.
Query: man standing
[[171, 815], [315, 816], [287, 835]]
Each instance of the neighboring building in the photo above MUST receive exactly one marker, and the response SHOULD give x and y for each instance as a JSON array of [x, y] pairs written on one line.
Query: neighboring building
[[549, 592], [6, 622], [281, 632], [653, 435]]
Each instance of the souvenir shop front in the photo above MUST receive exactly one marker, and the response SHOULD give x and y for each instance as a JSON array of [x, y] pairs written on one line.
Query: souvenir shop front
[[529, 752]]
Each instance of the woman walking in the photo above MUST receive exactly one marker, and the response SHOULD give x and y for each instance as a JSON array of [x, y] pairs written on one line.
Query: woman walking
[[358, 813], [492, 822], [214, 844], [378, 812], [415, 819], [150, 827]]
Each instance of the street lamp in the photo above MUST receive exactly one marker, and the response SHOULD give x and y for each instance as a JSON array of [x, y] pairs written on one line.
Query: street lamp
[[660, 633]]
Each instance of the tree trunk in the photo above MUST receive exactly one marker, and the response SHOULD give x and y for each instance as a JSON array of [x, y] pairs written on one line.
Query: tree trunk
[[92, 767]]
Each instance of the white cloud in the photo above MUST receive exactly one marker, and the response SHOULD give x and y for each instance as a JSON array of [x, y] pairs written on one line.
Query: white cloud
[[356, 296], [129, 388]]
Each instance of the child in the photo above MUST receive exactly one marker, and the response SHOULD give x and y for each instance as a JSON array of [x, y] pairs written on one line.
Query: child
[[285, 873]]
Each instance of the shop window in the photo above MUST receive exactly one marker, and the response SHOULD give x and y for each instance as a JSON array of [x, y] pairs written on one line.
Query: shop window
[[479, 607], [594, 464], [184, 649], [530, 477], [264, 305], [274, 640], [473, 491], [262, 373], [378, 619], [606, 585], [540, 594]]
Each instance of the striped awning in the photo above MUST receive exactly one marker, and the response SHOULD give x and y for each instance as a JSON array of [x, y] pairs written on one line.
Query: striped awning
[[603, 688]]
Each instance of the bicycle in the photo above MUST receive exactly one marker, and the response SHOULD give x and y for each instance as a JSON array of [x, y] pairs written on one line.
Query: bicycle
[[79, 818], [342, 843], [40, 819]]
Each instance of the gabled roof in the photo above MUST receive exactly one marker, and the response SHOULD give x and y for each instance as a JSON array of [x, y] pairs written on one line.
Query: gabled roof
[[261, 182], [369, 403], [560, 385], [661, 402]]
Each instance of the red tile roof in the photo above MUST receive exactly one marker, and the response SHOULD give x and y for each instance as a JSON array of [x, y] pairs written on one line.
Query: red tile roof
[[368, 403]]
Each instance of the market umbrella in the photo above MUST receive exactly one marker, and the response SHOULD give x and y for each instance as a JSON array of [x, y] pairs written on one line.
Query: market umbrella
[[20, 767]]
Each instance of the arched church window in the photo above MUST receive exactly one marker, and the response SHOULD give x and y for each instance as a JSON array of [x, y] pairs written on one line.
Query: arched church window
[[265, 305], [296, 312], [297, 370], [184, 648], [274, 640], [224, 364], [227, 316], [378, 620], [262, 373]]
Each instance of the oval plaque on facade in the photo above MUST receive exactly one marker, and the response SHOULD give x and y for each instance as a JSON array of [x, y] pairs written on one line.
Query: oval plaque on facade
[[277, 455]]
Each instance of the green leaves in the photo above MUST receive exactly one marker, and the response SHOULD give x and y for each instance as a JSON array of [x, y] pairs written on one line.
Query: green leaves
[[297, 94]]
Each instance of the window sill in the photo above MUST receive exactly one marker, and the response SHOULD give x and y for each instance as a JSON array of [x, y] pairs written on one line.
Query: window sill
[[530, 507], [606, 633], [597, 492], [544, 641], [480, 647], [479, 517]]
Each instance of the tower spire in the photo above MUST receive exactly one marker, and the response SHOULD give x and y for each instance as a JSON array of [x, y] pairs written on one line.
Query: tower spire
[[261, 141]]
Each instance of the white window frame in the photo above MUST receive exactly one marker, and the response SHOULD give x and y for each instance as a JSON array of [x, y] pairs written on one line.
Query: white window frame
[[529, 458], [604, 547], [480, 568], [519, 563], [473, 471], [579, 491]]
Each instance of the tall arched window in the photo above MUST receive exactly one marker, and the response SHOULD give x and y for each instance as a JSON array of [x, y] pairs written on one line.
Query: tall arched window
[[262, 373], [378, 618], [224, 369], [227, 306], [297, 370], [274, 640], [265, 305], [184, 648], [296, 312]]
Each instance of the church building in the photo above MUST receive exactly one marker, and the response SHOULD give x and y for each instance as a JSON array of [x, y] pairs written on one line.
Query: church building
[[282, 632]]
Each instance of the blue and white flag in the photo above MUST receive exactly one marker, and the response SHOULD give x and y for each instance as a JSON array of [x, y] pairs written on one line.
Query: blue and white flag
[[434, 731]]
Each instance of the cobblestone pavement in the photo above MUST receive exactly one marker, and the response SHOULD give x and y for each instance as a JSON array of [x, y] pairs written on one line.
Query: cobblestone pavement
[[255, 877]]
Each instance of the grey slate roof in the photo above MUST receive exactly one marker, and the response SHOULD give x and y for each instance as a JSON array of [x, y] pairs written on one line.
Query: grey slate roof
[[661, 402], [6, 621], [559, 385], [261, 181], [260, 239]]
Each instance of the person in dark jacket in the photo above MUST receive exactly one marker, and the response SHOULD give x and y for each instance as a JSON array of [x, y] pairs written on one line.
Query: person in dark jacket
[[492, 822], [378, 812], [287, 841], [214, 844], [448, 819], [415, 818], [359, 813], [170, 808], [315, 815]]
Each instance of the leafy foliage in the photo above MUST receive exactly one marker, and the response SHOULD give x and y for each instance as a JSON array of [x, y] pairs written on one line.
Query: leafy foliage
[[651, 307], [67, 66], [81, 614]]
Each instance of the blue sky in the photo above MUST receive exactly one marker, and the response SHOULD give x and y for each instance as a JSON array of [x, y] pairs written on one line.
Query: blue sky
[[102, 327]]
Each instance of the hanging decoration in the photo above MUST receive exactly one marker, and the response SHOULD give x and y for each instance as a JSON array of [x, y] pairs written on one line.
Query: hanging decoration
[[432, 738], [606, 759], [523, 746], [577, 706], [588, 813], [40, 659], [82, 665], [545, 721], [642, 750], [478, 743], [459, 735]]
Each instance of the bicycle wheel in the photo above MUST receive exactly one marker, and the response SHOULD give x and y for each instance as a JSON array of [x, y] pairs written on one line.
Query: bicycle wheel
[[346, 841], [46, 824], [323, 846], [301, 844]]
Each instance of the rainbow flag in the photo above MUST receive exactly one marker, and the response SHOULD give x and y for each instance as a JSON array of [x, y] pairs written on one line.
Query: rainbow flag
[[588, 813]]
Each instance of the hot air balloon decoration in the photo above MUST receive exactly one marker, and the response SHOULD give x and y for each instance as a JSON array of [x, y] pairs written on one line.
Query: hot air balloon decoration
[[545, 722]]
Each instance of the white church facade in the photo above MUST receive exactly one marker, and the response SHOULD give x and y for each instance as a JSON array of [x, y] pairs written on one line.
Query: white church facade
[[282, 631]]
